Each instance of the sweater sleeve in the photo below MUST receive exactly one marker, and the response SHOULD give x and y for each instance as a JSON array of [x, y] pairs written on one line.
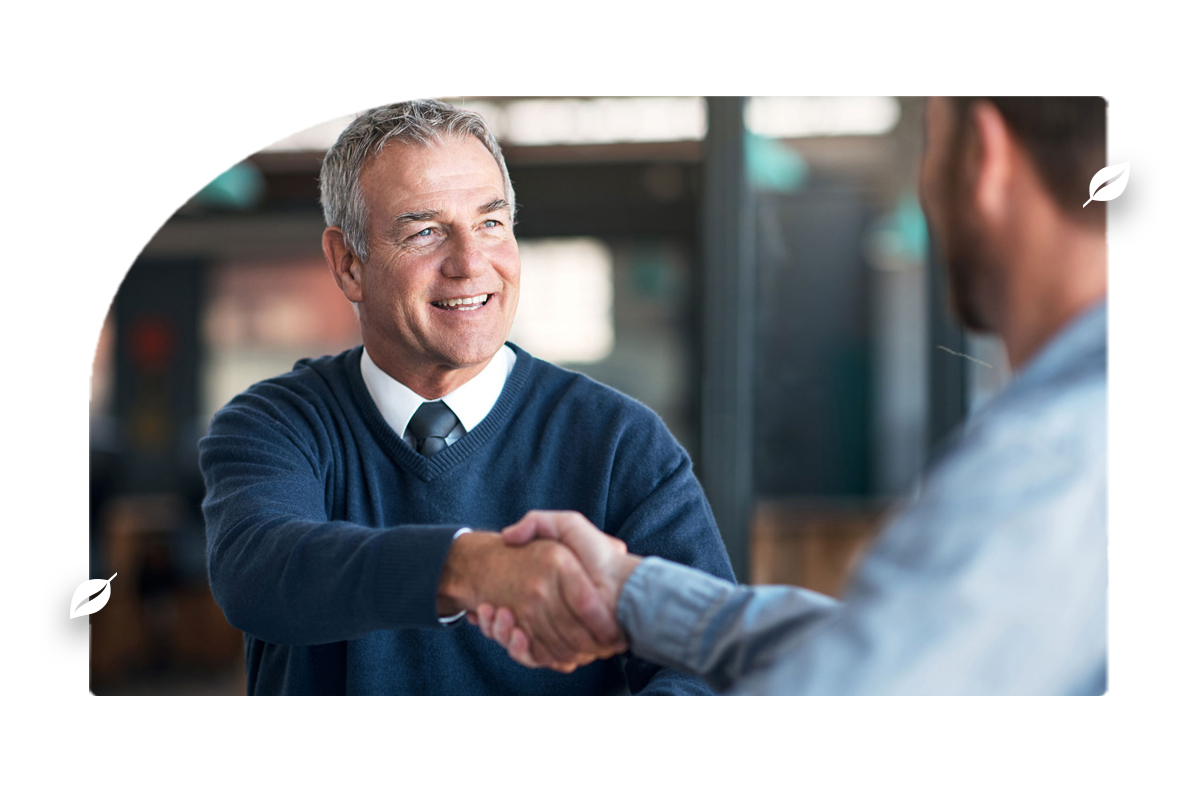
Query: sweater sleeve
[[279, 568], [672, 520]]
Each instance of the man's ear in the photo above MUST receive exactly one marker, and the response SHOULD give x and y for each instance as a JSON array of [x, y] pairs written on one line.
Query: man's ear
[[993, 154], [343, 263]]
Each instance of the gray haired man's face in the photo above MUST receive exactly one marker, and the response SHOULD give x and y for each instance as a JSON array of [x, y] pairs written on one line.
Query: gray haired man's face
[[443, 281]]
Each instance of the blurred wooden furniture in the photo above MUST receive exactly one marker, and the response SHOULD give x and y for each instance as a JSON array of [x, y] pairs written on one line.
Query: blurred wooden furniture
[[814, 543], [163, 627]]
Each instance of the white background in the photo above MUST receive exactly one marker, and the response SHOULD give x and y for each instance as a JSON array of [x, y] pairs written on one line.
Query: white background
[[115, 113]]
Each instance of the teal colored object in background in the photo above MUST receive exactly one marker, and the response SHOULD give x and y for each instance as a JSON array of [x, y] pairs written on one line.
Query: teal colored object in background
[[772, 166], [909, 222], [901, 233], [241, 186]]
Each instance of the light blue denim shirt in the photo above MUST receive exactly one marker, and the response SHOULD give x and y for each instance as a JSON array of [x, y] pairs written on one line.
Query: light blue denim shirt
[[993, 581]]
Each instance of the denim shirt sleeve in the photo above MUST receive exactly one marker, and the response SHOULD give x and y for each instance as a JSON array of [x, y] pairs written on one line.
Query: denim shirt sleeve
[[689, 620]]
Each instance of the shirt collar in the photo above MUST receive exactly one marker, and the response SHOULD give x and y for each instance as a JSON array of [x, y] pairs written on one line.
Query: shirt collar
[[470, 402]]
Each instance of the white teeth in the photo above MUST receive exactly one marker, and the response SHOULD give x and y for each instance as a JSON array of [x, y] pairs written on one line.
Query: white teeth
[[461, 301]]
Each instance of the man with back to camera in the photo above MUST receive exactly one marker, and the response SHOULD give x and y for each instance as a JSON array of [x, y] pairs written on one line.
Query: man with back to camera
[[352, 502], [994, 580]]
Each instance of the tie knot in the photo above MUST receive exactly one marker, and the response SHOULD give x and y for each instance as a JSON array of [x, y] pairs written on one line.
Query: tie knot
[[430, 426]]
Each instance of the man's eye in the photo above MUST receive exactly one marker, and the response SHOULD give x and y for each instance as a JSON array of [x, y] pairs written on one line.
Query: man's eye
[[491, 223], [428, 231]]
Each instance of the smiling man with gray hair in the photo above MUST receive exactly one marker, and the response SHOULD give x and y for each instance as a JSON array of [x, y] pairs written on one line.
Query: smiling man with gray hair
[[352, 503]]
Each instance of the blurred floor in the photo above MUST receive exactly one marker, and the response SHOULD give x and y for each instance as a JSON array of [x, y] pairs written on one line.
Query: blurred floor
[[177, 682]]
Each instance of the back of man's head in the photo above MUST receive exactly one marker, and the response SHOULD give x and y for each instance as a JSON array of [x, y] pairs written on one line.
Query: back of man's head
[[423, 123], [1065, 138]]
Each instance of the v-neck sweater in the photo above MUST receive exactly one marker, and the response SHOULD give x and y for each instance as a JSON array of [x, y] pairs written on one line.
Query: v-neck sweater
[[327, 533]]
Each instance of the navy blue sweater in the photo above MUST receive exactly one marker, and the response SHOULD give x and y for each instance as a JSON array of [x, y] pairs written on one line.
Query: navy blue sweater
[[327, 533]]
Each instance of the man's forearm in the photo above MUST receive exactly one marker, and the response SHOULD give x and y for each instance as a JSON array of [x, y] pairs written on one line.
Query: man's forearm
[[279, 568], [300, 582]]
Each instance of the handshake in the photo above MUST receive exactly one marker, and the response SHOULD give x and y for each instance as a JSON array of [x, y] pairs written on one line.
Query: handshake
[[545, 588]]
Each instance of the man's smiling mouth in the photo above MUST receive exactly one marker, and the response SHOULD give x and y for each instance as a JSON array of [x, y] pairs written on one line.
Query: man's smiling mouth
[[463, 303]]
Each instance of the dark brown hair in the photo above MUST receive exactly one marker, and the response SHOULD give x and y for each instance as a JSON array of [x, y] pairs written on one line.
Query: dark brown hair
[[1066, 137]]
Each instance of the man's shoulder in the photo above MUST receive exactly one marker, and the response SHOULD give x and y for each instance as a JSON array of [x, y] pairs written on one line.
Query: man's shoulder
[[1065, 415], [1045, 441], [1059, 402], [592, 415], [576, 391]]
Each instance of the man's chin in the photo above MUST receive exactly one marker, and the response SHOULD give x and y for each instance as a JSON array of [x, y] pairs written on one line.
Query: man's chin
[[466, 355]]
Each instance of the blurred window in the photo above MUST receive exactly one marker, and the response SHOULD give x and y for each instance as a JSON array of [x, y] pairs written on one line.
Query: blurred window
[[794, 117], [551, 121], [595, 120], [565, 313]]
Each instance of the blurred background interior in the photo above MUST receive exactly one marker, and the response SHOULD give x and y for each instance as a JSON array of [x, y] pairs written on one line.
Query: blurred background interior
[[756, 270]]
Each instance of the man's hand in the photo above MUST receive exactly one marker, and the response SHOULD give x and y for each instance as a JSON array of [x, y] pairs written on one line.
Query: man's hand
[[603, 557], [544, 589]]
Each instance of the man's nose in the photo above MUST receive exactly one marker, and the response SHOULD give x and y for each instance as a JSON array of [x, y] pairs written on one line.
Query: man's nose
[[465, 259]]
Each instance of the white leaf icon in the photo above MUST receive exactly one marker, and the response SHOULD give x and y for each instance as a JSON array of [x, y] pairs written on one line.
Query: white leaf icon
[[1108, 183], [81, 605]]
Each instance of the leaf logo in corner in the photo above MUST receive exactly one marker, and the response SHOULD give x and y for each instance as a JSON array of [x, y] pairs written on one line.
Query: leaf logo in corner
[[1108, 183], [90, 596]]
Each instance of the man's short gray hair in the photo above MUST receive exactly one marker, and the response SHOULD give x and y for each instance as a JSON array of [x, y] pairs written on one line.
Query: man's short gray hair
[[419, 122]]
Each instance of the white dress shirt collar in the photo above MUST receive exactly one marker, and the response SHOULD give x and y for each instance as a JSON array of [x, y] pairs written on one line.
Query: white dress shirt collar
[[470, 402]]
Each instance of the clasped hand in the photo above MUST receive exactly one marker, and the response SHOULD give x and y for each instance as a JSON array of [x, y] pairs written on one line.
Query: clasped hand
[[562, 613]]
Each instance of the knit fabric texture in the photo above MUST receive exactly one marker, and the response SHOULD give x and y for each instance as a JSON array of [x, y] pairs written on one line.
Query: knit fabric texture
[[327, 533]]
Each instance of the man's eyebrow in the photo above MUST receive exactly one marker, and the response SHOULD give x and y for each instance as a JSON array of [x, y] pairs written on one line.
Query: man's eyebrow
[[412, 216], [495, 205]]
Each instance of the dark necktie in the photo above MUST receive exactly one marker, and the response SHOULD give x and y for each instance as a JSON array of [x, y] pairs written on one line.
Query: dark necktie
[[430, 426]]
